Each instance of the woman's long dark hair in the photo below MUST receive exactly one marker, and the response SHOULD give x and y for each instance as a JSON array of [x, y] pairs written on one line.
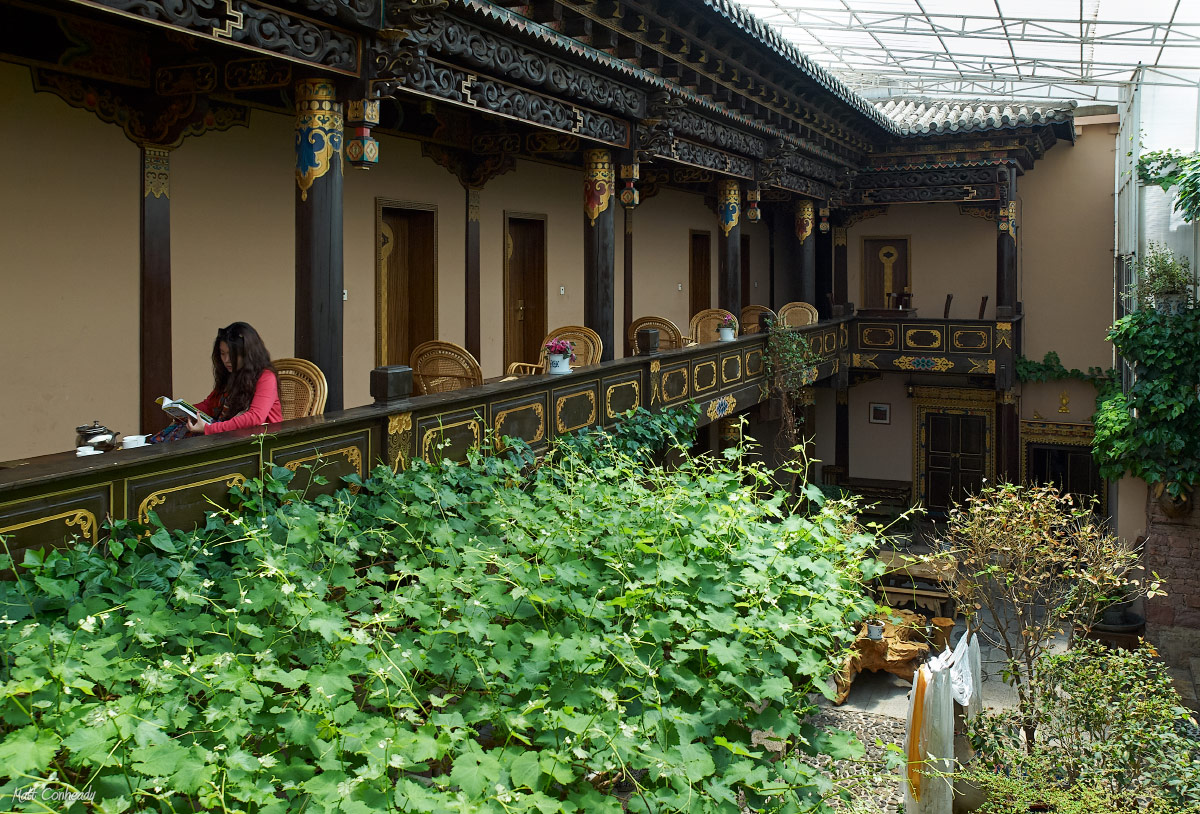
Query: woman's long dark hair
[[250, 358]]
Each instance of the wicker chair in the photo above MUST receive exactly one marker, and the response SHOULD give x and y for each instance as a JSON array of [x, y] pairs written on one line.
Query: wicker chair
[[751, 315], [669, 335], [439, 367], [588, 348], [704, 324], [797, 315], [302, 388]]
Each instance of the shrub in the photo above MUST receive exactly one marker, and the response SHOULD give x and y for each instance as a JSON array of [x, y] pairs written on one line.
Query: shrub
[[483, 637], [1109, 739]]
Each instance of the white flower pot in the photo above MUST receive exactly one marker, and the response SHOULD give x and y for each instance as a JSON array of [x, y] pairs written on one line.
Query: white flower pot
[[1170, 304], [726, 334], [559, 363]]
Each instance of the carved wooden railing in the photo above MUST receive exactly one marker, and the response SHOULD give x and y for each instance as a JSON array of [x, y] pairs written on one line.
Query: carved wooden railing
[[45, 500], [965, 346]]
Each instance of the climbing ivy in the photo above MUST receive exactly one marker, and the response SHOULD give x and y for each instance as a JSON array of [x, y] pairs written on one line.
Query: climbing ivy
[[1052, 369], [1168, 168]]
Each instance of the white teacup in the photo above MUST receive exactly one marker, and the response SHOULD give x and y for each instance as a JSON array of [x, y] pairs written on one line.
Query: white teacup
[[131, 441]]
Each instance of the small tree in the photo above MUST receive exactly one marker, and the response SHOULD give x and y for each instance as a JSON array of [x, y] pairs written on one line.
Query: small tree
[[1037, 563], [790, 364]]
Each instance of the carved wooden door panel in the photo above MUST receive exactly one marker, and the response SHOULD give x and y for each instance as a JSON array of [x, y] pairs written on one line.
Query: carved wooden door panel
[[524, 289], [955, 462], [885, 270], [407, 251]]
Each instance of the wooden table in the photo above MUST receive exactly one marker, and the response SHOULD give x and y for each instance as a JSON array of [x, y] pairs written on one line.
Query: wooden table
[[920, 580], [899, 652]]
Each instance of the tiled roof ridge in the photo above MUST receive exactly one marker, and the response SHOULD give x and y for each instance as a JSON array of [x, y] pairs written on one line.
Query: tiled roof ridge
[[922, 116]]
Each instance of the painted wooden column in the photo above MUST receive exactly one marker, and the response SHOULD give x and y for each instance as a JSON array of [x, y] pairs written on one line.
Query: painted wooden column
[[841, 449], [806, 218], [1006, 246], [823, 238], [599, 251], [840, 270], [630, 198], [806, 408], [155, 329], [319, 232], [1008, 437], [472, 302], [729, 246]]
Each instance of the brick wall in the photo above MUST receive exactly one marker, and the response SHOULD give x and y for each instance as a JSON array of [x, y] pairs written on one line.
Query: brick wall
[[1172, 549]]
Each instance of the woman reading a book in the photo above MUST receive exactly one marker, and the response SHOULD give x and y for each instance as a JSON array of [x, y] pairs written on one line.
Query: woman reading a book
[[245, 390]]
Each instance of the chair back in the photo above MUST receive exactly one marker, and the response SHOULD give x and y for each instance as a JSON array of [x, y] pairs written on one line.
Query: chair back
[[302, 388], [751, 315], [797, 315], [588, 344], [669, 335], [439, 367], [704, 325]]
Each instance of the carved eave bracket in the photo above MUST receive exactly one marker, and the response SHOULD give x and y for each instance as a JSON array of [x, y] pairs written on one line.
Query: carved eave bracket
[[146, 118]]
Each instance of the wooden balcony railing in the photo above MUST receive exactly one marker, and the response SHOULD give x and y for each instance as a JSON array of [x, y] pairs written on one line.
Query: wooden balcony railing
[[965, 346], [47, 499]]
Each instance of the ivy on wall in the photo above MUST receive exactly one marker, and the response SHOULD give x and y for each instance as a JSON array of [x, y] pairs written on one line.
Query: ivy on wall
[[1052, 369], [1169, 168]]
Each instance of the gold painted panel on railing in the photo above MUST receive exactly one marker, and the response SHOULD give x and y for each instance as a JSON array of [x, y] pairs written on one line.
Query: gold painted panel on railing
[[621, 394], [182, 496], [704, 376]]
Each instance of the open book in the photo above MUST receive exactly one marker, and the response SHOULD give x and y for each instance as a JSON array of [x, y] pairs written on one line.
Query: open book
[[178, 408]]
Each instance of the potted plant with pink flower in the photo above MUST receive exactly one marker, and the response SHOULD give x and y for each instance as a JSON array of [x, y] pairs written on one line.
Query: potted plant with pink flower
[[560, 352], [727, 328]]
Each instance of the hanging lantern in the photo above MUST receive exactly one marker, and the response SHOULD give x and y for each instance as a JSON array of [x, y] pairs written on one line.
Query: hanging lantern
[[823, 213], [753, 196], [362, 150], [629, 195]]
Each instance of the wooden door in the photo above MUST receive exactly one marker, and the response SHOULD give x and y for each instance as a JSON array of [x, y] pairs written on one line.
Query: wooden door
[[699, 273], [955, 458], [524, 289], [747, 295], [1071, 468], [885, 270], [409, 281]]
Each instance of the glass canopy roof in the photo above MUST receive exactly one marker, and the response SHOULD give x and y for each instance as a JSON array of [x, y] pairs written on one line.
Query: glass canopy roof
[[1060, 49]]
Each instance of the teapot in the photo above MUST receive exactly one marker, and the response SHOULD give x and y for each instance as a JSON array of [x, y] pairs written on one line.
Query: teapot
[[97, 435]]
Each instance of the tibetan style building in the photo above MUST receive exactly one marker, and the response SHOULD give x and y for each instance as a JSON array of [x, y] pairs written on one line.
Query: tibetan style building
[[357, 177]]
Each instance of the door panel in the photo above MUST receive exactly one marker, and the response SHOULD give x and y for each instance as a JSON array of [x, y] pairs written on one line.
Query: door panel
[[407, 240], [524, 289], [699, 273], [955, 458], [885, 270]]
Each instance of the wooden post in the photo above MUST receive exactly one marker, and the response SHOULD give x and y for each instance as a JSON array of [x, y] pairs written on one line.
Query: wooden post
[[155, 322], [1006, 246], [824, 269], [729, 246], [841, 449], [1008, 438], [599, 255], [840, 285], [806, 219], [472, 299], [627, 262], [319, 232]]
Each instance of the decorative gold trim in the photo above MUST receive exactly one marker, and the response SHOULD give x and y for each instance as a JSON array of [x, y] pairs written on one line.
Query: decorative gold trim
[[829, 342], [1004, 334], [318, 132], [157, 172], [1064, 401], [86, 521], [937, 364], [536, 406], [758, 371], [911, 332], [727, 379], [839, 236], [160, 497], [440, 430], [729, 203], [352, 454], [696, 388], [859, 214], [805, 220], [982, 211], [608, 392], [598, 183], [720, 407], [558, 408], [399, 440], [865, 360], [867, 331], [982, 365], [681, 371], [956, 340]]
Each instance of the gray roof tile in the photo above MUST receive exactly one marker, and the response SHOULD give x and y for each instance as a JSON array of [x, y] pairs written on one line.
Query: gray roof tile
[[930, 117]]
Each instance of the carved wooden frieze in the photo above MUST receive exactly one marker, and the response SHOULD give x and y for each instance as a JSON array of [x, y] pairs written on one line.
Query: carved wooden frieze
[[926, 178], [693, 125], [248, 25], [977, 192], [437, 79], [367, 13]]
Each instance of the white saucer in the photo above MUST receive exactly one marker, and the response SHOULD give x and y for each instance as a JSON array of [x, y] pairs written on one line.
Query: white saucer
[[79, 454]]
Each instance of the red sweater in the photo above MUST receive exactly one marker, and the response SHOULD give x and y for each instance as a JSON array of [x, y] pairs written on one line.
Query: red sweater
[[264, 407]]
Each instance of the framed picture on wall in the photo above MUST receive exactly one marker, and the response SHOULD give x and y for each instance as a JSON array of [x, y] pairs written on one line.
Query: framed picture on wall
[[880, 413]]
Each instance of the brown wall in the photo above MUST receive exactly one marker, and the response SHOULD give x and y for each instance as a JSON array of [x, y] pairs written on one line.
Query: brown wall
[[69, 270]]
